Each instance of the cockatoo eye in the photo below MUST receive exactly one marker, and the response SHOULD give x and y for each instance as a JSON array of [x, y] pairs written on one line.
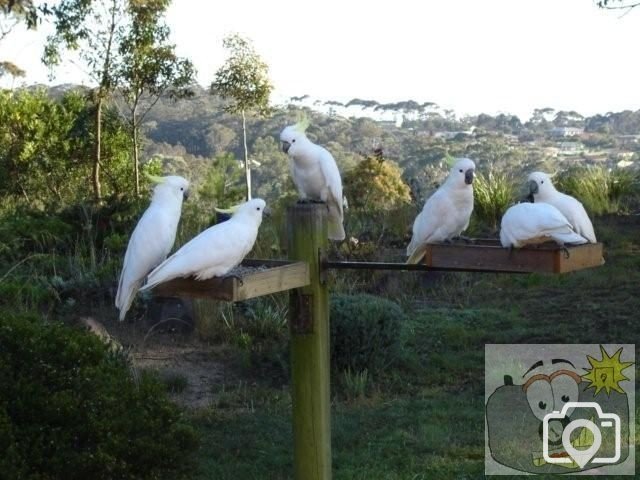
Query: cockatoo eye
[[460, 170], [182, 189], [541, 182], [293, 141], [258, 208]]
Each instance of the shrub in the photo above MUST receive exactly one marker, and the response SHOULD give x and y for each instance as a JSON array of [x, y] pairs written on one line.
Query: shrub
[[366, 333], [376, 184], [70, 409]]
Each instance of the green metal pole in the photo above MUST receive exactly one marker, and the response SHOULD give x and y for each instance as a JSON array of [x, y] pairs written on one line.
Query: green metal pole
[[309, 321]]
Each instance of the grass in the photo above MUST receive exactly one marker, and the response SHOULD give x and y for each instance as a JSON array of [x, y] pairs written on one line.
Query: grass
[[423, 418], [601, 190], [493, 193]]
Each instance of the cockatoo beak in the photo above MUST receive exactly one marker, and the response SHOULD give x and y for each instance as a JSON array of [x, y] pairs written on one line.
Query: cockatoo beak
[[154, 178], [230, 210], [266, 212], [185, 195], [468, 176], [533, 187], [286, 146]]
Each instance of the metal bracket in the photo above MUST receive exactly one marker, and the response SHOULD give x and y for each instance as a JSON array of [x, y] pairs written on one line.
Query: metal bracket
[[301, 316], [322, 270]]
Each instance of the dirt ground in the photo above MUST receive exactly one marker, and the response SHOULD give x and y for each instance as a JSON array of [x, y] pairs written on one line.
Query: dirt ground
[[179, 358]]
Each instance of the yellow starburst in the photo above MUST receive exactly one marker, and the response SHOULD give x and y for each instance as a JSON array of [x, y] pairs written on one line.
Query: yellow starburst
[[606, 373]]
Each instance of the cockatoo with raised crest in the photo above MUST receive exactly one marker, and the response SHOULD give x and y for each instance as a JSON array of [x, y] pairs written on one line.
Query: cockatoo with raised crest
[[315, 175]]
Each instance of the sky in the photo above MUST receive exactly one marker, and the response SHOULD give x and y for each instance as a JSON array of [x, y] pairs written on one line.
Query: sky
[[472, 56]]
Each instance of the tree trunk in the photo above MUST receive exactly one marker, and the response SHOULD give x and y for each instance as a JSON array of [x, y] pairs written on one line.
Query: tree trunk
[[247, 169], [136, 165], [97, 191]]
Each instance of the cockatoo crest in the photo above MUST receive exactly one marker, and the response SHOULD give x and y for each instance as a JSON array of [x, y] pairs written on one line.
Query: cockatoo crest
[[449, 160], [303, 124]]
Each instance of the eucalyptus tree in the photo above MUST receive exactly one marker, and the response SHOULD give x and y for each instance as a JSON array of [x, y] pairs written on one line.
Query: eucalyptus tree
[[94, 30], [244, 82], [150, 68]]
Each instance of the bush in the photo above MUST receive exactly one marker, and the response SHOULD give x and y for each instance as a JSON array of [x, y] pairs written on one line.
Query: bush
[[599, 189], [366, 333], [376, 184], [70, 409]]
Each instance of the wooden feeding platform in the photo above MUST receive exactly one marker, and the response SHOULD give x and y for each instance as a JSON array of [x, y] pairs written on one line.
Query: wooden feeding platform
[[490, 255], [253, 278]]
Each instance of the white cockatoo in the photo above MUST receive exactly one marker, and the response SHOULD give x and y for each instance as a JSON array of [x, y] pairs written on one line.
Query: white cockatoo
[[446, 213], [530, 223], [315, 175], [215, 251], [152, 238], [542, 189]]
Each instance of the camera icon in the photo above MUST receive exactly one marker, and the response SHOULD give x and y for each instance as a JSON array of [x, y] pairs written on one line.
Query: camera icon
[[556, 430]]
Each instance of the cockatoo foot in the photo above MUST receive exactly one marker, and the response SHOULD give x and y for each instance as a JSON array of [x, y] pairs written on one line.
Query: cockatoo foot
[[466, 240]]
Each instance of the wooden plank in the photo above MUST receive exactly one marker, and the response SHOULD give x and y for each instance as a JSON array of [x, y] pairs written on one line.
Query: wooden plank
[[581, 257], [489, 255], [275, 279], [278, 276]]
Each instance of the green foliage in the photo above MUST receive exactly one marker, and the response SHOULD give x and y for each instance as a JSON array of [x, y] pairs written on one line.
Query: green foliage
[[354, 384], [376, 184], [244, 79], [45, 146], [367, 333], [493, 193], [17, 11], [600, 190], [222, 183], [69, 408], [23, 232], [150, 68]]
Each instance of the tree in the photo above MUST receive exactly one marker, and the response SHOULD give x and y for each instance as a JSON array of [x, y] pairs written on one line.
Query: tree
[[243, 81], [45, 145], [11, 69], [95, 30], [149, 68], [219, 187], [14, 12], [376, 184]]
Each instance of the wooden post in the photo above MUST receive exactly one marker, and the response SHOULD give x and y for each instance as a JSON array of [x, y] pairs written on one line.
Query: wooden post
[[309, 322]]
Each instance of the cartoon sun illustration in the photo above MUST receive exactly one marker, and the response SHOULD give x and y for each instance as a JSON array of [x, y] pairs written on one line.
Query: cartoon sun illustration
[[606, 373]]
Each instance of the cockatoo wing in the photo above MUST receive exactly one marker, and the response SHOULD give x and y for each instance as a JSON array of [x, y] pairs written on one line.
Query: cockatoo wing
[[526, 222], [213, 252], [577, 216], [436, 222], [149, 245], [331, 174]]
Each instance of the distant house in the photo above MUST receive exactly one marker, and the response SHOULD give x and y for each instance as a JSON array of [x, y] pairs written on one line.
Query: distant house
[[628, 140], [560, 132], [570, 148], [450, 135]]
